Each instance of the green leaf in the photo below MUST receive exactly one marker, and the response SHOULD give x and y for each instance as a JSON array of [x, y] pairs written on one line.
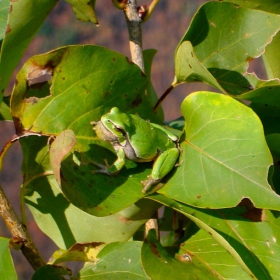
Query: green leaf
[[5, 114], [225, 47], [158, 263], [80, 92], [271, 58], [252, 232], [273, 141], [7, 270], [265, 103], [189, 69], [87, 81], [202, 247], [224, 155], [48, 272], [64, 223], [60, 147], [272, 6], [99, 194], [84, 10], [269, 114], [25, 18], [4, 11], [116, 261]]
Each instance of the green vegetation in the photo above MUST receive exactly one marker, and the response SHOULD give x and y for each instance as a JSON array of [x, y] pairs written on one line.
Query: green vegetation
[[220, 218]]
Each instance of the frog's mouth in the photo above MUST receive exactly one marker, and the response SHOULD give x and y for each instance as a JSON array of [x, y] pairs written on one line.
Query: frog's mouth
[[103, 133]]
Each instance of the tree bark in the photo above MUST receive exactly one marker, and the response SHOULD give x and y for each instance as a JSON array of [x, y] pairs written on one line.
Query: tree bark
[[19, 232]]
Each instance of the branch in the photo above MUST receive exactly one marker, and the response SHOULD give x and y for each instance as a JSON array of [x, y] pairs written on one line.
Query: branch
[[134, 21], [19, 232], [135, 33]]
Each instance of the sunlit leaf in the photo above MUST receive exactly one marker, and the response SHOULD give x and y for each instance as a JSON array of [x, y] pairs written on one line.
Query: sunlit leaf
[[189, 69], [224, 155], [80, 91]]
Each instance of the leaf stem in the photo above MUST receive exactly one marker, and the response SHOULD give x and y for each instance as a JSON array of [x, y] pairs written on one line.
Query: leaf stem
[[161, 99], [150, 10]]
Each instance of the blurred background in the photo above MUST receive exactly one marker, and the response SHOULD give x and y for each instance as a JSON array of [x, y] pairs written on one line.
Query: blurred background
[[162, 32]]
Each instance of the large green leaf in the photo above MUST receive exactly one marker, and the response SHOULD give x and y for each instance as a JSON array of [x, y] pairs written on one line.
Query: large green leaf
[[226, 37], [249, 234], [78, 93], [64, 223], [86, 82], [25, 18], [7, 270], [116, 261], [224, 155]]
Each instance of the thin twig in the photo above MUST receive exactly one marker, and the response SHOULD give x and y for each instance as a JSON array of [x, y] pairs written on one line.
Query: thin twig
[[150, 10], [162, 98], [19, 232]]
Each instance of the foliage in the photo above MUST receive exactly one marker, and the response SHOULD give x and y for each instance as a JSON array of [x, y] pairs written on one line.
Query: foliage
[[221, 215]]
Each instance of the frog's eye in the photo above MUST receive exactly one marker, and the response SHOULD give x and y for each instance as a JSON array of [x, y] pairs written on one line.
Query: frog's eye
[[119, 130]]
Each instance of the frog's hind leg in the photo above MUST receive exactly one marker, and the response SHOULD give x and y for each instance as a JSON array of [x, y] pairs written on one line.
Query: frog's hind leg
[[162, 166]]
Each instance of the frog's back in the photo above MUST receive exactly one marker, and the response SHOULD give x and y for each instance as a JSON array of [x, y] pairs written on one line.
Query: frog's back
[[150, 140]]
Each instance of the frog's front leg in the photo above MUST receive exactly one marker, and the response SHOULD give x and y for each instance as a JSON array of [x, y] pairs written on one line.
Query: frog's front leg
[[162, 166], [114, 168]]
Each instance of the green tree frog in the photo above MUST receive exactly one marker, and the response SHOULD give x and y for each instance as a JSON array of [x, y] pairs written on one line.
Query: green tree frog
[[138, 140]]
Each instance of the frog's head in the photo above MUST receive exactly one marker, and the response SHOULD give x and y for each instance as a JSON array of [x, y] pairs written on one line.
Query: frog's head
[[111, 128]]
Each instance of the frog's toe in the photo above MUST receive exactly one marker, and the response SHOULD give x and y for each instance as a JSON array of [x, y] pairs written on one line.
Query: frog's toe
[[148, 183]]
